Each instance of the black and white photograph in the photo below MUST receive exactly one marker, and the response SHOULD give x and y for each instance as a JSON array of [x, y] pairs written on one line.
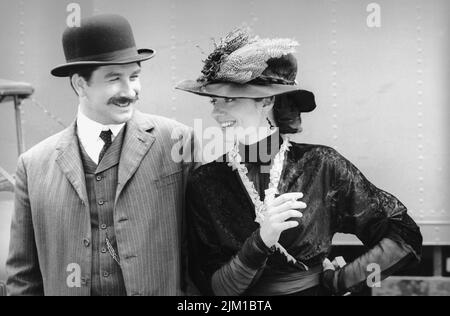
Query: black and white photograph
[[224, 153]]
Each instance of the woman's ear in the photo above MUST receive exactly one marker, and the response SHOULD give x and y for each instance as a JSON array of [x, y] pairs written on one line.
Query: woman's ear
[[268, 103]]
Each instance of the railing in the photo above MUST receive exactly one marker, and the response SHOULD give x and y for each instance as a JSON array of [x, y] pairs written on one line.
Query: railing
[[2, 289], [17, 92]]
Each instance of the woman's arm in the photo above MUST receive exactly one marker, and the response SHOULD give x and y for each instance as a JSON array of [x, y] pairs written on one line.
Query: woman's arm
[[215, 270], [378, 219]]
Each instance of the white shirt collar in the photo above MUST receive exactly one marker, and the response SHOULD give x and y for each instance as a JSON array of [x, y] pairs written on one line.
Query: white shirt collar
[[89, 134]]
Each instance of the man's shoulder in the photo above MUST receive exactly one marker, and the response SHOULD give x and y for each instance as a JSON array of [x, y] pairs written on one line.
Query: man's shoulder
[[46, 147], [159, 122]]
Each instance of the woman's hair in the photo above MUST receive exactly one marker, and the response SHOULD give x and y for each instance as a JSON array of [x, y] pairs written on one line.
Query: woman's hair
[[287, 114]]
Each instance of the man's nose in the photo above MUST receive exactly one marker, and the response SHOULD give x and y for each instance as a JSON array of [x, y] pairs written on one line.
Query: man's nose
[[129, 90]]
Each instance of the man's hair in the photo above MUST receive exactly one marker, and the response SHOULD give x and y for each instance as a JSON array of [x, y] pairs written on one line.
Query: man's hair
[[84, 72]]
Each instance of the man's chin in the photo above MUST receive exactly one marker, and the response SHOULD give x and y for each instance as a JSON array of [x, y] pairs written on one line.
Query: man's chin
[[124, 115]]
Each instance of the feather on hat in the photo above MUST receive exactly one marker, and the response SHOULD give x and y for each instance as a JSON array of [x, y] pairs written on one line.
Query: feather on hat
[[244, 67]]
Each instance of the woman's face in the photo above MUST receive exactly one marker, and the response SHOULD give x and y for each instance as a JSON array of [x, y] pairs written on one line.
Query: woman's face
[[240, 113]]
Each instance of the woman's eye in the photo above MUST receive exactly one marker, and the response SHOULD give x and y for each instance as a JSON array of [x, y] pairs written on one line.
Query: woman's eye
[[229, 100], [213, 101]]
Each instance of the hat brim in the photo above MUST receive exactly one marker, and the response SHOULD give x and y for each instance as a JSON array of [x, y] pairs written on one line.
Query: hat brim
[[67, 69], [305, 99]]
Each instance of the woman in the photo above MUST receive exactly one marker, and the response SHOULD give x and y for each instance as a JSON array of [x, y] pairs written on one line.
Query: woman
[[263, 216]]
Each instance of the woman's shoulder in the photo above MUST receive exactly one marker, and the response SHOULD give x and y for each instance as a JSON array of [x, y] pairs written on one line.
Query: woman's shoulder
[[215, 168], [317, 152]]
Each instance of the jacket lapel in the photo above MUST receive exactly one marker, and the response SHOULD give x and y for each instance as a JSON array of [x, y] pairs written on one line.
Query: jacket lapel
[[136, 144], [69, 160]]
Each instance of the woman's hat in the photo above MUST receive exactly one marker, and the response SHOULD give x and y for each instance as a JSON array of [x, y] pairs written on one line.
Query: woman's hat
[[244, 67], [100, 41]]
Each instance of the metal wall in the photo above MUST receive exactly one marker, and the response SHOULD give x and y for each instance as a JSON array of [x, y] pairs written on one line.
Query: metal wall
[[382, 92]]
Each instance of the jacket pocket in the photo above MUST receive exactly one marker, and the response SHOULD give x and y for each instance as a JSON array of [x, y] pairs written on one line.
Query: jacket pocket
[[168, 179]]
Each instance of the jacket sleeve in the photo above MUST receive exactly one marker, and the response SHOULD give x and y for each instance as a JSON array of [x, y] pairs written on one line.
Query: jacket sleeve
[[22, 266], [190, 162], [215, 270], [378, 219]]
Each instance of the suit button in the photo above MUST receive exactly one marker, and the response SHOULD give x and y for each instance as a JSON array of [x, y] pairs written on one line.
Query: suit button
[[104, 250], [101, 202], [86, 242], [103, 227], [98, 178], [105, 274]]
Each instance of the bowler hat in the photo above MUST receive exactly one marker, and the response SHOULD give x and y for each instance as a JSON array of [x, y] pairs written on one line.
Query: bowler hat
[[244, 67], [100, 41]]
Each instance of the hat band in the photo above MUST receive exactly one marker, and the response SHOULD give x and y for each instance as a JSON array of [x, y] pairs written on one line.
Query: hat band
[[107, 57]]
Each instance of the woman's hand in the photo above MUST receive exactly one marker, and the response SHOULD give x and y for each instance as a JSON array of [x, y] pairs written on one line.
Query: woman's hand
[[276, 217]]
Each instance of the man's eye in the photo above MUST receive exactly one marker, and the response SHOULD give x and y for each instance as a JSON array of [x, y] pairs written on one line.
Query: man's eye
[[114, 79], [134, 77], [213, 101]]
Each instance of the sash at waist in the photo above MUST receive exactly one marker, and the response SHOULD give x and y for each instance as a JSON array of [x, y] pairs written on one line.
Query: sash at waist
[[285, 284]]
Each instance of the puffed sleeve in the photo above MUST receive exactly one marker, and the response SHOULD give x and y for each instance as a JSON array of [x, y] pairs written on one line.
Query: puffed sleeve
[[377, 218], [214, 269]]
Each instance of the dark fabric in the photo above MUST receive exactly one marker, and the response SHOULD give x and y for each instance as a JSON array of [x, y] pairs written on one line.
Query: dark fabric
[[107, 279], [106, 137], [339, 199]]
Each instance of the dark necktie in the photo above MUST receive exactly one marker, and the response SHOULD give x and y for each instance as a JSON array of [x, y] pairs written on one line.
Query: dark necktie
[[106, 137]]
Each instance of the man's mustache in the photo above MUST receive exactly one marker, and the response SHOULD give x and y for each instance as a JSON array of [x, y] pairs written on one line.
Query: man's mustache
[[121, 100]]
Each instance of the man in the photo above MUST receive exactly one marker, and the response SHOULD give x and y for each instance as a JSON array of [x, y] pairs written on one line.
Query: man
[[98, 207]]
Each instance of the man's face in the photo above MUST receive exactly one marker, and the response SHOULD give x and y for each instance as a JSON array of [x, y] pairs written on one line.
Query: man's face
[[110, 95]]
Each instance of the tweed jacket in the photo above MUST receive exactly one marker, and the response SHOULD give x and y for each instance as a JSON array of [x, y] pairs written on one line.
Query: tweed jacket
[[50, 248]]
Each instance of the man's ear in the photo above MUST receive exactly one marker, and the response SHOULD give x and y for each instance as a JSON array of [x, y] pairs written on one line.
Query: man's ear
[[79, 84]]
